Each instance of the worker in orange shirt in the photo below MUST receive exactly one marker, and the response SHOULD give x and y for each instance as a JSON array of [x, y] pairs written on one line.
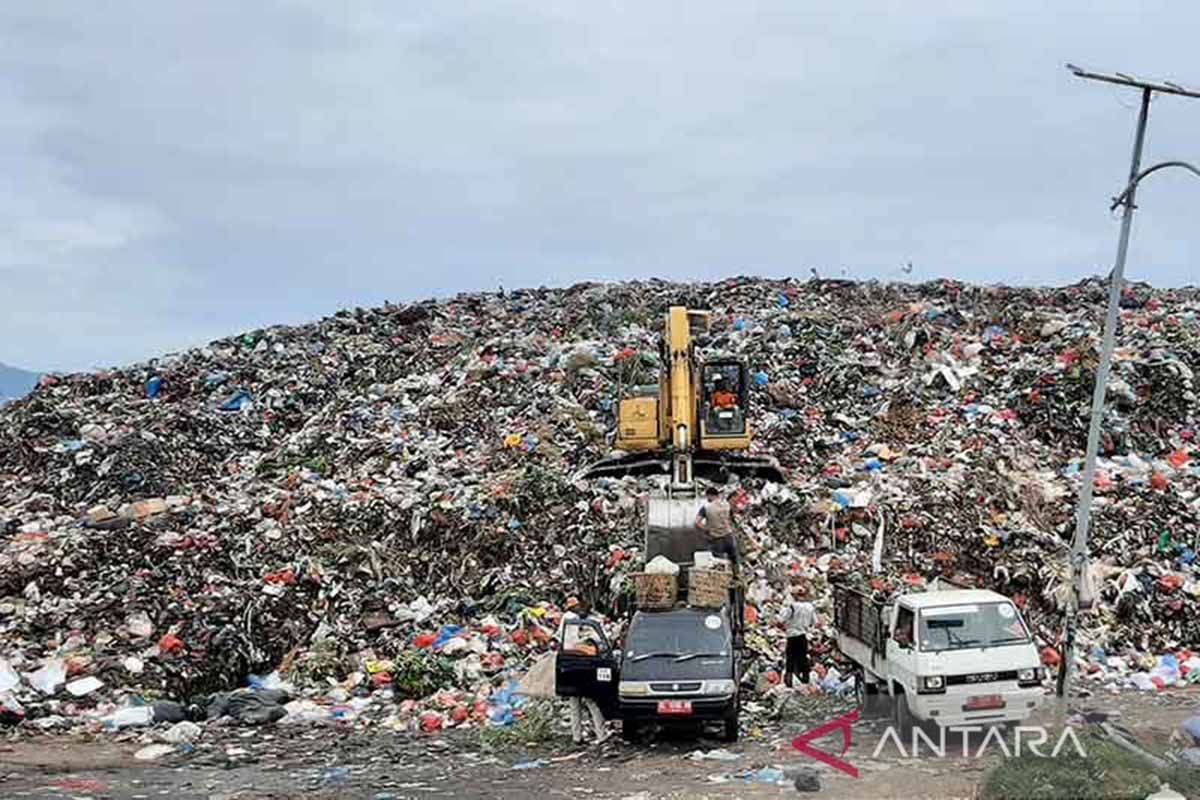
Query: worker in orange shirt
[[721, 396]]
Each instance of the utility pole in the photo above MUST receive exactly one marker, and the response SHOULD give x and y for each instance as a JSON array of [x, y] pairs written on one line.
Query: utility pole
[[1079, 543]]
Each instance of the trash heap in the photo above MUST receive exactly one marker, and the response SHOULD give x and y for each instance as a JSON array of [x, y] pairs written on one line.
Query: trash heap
[[386, 500]]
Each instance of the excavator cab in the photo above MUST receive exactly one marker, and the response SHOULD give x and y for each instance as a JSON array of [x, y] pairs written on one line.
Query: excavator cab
[[724, 398], [694, 424]]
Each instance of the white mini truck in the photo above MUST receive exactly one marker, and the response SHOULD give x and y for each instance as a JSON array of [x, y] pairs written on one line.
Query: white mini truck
[[955, 658]]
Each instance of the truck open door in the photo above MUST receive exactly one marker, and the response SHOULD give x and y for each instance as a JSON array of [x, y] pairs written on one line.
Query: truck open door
[[587, 665]]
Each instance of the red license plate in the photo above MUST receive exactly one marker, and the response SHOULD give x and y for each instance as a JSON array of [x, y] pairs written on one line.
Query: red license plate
[[983, 702], [676, 707]]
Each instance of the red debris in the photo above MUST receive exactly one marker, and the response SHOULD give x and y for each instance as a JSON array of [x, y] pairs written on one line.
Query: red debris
[[170, 643], [1170, 582], [284, 577]]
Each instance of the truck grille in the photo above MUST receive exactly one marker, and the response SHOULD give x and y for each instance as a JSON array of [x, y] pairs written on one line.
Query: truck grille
[[981, 677], [690, 686]]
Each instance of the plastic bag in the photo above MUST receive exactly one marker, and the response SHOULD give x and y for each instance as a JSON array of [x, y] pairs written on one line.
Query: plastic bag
[[540, 680], [50, 678], [661, 565]]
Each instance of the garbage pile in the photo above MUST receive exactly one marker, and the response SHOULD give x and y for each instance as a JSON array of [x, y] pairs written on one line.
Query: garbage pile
[[386, 500]]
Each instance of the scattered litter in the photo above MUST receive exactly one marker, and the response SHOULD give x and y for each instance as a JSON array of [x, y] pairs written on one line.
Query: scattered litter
[[713, 755], [153, 752]]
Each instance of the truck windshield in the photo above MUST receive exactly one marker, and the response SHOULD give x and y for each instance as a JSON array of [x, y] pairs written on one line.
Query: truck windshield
[[678, 635], [973, 625]]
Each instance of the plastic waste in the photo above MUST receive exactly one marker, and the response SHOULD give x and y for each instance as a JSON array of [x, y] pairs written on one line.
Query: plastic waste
[[9, 679], [335, 776], [713, 755], [84, 686], [238, 401], [661, 565], [50, 678], [271, 681], [185, 732], [396, 420], [129, 717], [1192, 727], [153, 752]]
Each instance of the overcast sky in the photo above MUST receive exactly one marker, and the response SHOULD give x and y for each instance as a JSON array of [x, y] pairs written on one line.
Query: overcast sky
[[177, 172]]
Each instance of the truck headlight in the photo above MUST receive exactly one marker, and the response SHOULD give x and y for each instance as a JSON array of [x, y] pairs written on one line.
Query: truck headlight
[[719, 687], [933, 683], [1030, 677], [632, 688]]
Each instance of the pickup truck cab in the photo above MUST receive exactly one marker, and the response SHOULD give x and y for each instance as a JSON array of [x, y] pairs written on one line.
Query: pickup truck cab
[[954, 658], [680, 667]]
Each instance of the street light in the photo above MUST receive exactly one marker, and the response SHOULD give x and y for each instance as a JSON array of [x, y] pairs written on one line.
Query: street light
[[1079, 543]]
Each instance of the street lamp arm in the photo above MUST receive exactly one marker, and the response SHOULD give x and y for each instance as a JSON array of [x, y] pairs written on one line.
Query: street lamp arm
[[1121, 198]]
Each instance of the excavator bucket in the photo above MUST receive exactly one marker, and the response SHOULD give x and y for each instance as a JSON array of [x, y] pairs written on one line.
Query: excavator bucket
[[621, 464], [717, 467], [712, 467]]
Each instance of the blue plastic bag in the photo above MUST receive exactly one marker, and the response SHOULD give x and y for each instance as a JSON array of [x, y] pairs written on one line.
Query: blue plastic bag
[[447, 633], [1192, 726], [239, 400]]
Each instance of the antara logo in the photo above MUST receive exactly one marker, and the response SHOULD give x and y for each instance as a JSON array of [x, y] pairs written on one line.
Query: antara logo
[[1027, 739], [845, 724]]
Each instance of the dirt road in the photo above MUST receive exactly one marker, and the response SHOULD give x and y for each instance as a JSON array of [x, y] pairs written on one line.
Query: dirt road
[[261, 763]]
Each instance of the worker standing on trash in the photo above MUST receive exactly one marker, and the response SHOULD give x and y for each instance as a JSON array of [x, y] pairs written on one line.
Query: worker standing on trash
[[577, 639], [716, 519], [798, 615]]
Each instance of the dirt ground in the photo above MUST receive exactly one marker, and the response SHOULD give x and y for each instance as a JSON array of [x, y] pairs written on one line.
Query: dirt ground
[[281, 762]]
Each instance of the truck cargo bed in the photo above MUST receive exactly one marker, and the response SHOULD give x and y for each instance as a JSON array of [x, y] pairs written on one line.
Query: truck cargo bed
[[861, 622]]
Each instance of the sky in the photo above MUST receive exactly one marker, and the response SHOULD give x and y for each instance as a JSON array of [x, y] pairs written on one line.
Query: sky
[[178, 172]]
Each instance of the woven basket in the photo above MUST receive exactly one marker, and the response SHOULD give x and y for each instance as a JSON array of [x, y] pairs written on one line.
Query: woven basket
[[708, 588], [655, 591]]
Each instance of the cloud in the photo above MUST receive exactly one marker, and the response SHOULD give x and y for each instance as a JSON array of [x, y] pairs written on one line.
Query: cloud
[[187, 172]]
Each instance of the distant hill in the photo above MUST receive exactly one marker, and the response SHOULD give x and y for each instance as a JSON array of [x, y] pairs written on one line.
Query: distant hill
[[15, 382]]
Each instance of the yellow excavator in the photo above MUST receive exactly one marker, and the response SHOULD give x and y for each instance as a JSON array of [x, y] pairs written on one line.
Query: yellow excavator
[[695, 425]]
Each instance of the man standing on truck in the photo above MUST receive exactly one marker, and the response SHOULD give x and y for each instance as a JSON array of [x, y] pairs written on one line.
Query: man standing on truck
[[798, 615], [716, 519]]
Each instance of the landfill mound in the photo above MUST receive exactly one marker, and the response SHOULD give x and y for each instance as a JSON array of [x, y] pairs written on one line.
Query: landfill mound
[[314, 498]]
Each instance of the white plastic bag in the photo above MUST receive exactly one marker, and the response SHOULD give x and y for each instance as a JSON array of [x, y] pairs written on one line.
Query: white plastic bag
[[50, 678], [661, 565]]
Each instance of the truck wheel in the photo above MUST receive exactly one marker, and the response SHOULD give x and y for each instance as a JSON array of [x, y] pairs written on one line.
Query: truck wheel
[[860, 691], [730, 723], [867, 694], [904, 718], [630, 729]]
